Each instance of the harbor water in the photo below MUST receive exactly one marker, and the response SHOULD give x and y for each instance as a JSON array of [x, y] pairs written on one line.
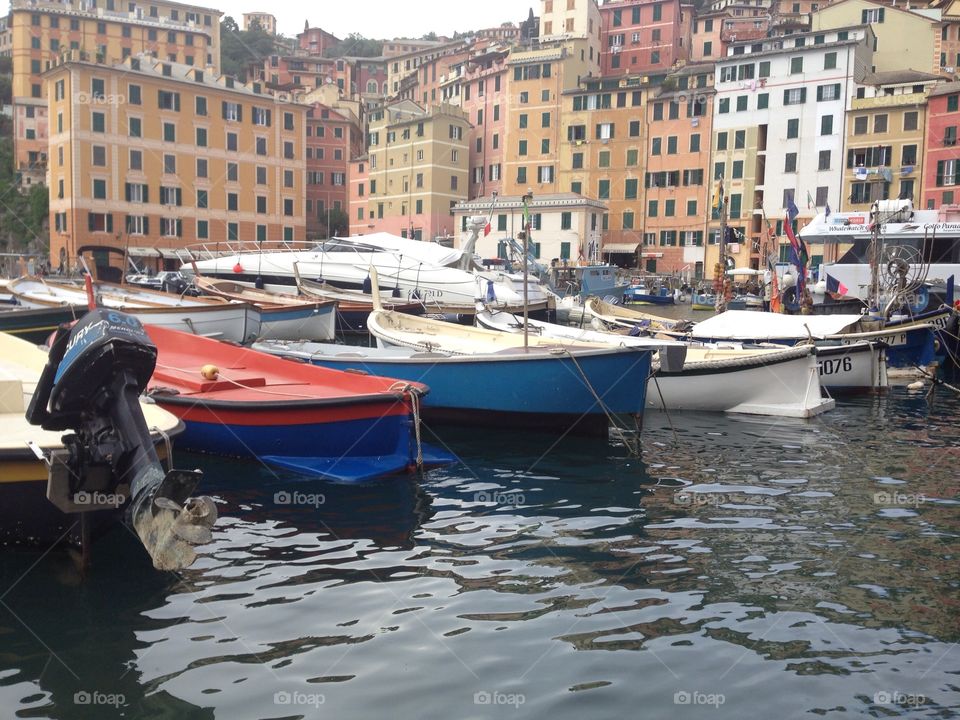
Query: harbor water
[[739, 568]]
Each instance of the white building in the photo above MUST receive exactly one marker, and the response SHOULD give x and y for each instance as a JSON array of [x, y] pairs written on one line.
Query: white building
[[565, 226], [779, 121]]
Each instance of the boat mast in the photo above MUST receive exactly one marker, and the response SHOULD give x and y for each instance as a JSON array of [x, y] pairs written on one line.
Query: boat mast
[[721, 299], [875, 257], [526, 251]]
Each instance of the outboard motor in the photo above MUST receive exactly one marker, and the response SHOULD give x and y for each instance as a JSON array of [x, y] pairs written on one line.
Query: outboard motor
[[91, 385]]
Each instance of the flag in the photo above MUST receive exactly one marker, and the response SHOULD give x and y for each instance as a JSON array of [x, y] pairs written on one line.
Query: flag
[[718, 195], [827, 211], [526, 218], [775, 305], [835, 287], [810, 202], [487, 228], [792, 210], [798, 256]]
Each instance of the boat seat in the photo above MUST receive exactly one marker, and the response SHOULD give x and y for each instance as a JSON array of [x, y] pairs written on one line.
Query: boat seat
[[194, 382], [11, 396]]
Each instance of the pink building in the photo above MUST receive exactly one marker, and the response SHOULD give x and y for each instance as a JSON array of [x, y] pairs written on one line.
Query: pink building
[[642, 36], [332, 139], [358, 185], [484, 98], [941, 169]]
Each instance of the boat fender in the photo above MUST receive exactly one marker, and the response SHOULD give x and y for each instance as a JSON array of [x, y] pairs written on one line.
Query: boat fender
[[918, 385], [210, 372]]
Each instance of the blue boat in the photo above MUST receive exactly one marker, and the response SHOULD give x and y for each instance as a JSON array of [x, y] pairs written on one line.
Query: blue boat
[[584, 281], [543, 389], [638, 295]]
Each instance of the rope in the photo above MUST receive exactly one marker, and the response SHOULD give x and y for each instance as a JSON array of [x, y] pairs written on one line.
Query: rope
[[653, 376], [414, 393], [620, 432], [937, 381]]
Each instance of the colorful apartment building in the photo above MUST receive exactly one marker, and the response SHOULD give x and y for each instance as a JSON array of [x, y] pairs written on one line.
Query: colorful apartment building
[[778, 129], [334, 136], [941, 174], [6, 38], [293, 73], [418, 170], [573, 20], [885, 129], [564, 226], [484, 97], [707, 40], [643, 37], [601, 156], [263, 21], [403, 65], [905, 39], [42, 30], [315, 41], [676, 185], [164, 155]]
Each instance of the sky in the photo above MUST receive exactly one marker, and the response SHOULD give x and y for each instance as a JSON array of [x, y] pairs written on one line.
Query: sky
[[384, 19]]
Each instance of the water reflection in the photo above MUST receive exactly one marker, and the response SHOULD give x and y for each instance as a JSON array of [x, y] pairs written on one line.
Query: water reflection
[[742, 565]]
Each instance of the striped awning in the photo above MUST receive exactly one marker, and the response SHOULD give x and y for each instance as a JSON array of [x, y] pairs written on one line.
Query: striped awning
[[630, 248]]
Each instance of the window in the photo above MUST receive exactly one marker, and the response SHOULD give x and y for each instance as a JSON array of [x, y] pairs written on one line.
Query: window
[[795, 96], [830, 61], [136, 160], [168, 100], [860, 125], [741, 103], [261, 205], [201, 167], [169, 132], [691, 208], [724, 105], [908, 155], [233, 172], [603, 159], [669, 207], [170, 227], [605, 131], [232, 111], [824, 160], [603, 190], [98, 122], [545, 174], [655, 144], [821, 197], [790, 162], [737, 172], [522, 147], [652, 208], [880, 124], [99, 189], [793, 128], [695, 142], [566, 220], [200, 106], [739, 139], [521, 174], [826, 125], [859, 193], [100, 222], [545, 120], [796, 65], [630, 189], [828, 92], [523, 120], [722, 141], [953, 103], [99, 156], [203, 201], [707, 48], [910, 120], [134, 127], [170, 164]]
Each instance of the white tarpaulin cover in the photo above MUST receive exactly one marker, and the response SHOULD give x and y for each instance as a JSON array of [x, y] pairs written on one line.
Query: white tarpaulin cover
[[753, 325]]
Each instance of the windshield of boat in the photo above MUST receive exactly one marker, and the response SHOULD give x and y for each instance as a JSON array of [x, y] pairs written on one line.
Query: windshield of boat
[[336, 245]]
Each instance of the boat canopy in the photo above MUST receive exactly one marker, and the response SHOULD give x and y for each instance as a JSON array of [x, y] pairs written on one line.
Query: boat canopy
[[625, 248], [753, 325]]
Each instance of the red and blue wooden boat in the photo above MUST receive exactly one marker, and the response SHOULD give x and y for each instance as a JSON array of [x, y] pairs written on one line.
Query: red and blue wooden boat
[[239, 402]]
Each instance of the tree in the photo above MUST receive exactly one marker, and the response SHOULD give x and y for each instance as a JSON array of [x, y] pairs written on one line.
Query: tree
[[355, 45], [241, 48]]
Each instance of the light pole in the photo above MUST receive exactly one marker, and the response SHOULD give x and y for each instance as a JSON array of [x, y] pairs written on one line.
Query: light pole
[[526, 252]]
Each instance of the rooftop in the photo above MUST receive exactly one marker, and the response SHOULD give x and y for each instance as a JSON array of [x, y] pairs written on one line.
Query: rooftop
[[899, 77]]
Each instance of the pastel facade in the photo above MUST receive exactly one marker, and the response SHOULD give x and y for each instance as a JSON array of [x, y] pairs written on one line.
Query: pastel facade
[[41, 30], [333, 137], [262, 20], [885, 130], [485, 98], [643, 36], [778, 127], [941, 175], [418, 170], [156, 154]]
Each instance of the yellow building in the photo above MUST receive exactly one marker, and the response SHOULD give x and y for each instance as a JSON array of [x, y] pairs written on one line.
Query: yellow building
[[148, 153], [536, 80], [885, 136], [416, 171], [43, 30], [262, 20], [573, 20], [602, 156], [905, 39]]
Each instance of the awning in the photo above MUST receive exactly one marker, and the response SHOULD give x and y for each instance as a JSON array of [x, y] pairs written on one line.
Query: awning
[[169, 252], [630, 248], [143, 252]]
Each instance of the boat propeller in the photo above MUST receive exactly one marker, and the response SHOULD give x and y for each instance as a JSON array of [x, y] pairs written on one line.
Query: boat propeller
[[91, 385]]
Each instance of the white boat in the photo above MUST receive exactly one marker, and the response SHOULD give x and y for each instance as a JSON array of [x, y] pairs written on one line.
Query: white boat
[[757, 381], [210, 317], [282, 316], [609, 315], [420, 271]]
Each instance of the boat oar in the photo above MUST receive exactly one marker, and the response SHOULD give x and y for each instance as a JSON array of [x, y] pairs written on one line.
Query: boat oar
[[375, 289]]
